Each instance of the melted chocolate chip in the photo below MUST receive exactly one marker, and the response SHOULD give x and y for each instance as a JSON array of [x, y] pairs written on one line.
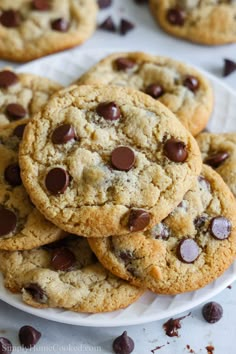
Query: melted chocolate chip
[[41, 5], [7, 78], [29, 336], [125, 26], [155, 90], [172, 325], [19, 130], [15, 111], [200, 221], [212, 312], [37, 293], [124, 64], [138, 220], [63, 134], [192, 83], [57, 181], [5, 346], [187, 250], [63, 259], [127, 256], [60, 25], [229, 67], [123, 344], [176, 16], [10, 18], [217, 159], [204, 183], [12, 175], [108, 24], [8, 221], [175, 150], [108, 110], [220, 227], [104, 3], [122, 158]]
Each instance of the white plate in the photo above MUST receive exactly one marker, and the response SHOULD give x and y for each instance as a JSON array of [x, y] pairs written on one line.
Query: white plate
[[65, 68]]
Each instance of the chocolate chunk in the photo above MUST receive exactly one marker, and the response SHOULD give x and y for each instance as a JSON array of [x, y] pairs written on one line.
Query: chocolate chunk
[[104, 3], [212, 312], [122, 158], [123, 344], [19, 130], [187, 250], [7, 78], [28, 336], [155, 90], [60, 24], [176, 16], [108, 110], [57, 180], [127, 256], [125, 26], [10, 18], [124, 64], [63, 259], [108, 25], [229, 67], [41, 5], [217, 159], [175, 150], [15, 111], [37, 293], [220, 227], [63, 134], [8, 221], [12, 175], [138, 220], [192, 83], [204, 183], [5, 346]]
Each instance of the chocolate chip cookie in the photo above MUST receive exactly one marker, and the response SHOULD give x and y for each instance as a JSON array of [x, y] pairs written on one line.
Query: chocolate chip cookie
[[21, 225], [208, 22], [30, 29], [101, 160], [219, 152], [178, 86], [65, 274], [193, 246], [22, 95]]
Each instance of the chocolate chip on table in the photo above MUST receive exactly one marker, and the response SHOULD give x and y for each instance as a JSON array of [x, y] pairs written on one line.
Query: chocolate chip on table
[[63, 259], [63, 134], [12, 174], [104, 3], [108, 110], [123, 344], [212, 312], [138, 220], [8, 221], [41, 5], [108, 25], [15, 111], [187, 250], [5, 346], [175, 150], [122, 158], [19, 130], [154, 90], [57, 181], [10, 18], [124, 64], [125, 26], [229, 67], [29, 336], [220, 227], [60, 25], [176, 16], [7, 78], [217, 159], [192, 83], [37, 293]]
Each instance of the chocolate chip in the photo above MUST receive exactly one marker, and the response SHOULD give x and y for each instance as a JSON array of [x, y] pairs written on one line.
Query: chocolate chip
[[41, 5], [10, 18], [5, 346], [204, 183], [229, 67], [200, 221], [15, 111], [57, 180], [60, 24], [176, 16], [8, 221], [123, 344], [216, 160], [28, 336], [122, 158], [127, 256], [108, 110], [138, 220], [108, 25], [155, 90], [104, 3], [220, 227], [192, 83], [37, 293], [19, 130], [187, 250], [12, 174], [63, 134], [124, 64], [125, 26], [62, 259], [7, 78], [175, 150], [212, 312]]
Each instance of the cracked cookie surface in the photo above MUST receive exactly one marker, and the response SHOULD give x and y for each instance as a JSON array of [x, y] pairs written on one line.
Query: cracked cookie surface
[[102, 159], [193, 246]]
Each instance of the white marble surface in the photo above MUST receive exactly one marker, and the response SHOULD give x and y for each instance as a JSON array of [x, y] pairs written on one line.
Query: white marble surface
[[195, 332]]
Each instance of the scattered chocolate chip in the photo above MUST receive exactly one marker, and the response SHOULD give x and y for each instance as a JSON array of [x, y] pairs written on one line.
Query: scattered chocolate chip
[[12, 174], [212, 312], [175, 150], [104, 3], [5, 346], [19, 130], [10, 18], [8, 221], [15, 111], [57, 180], [124, 64], [187, 250], [200, 221], [125, 26], [160, 231], [229, 67], [217, 159], [176, 16], [210, 349], [37, 293], [108, 110], [108, 25], [123, 344], [127, 256], [204, 183], [138, 220], [28, 336], [7, 78], [220, 227], [122, 158], [63, 259], [192, 83], [155, 90], [60, 24], [172, 325], [63, 134], [41, 5]]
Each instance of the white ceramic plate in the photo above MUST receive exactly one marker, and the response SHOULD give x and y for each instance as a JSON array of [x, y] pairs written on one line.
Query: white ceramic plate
[[65, 68]]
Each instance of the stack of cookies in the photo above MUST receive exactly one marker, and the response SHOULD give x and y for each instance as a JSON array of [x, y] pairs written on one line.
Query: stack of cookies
[[103, 191]]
